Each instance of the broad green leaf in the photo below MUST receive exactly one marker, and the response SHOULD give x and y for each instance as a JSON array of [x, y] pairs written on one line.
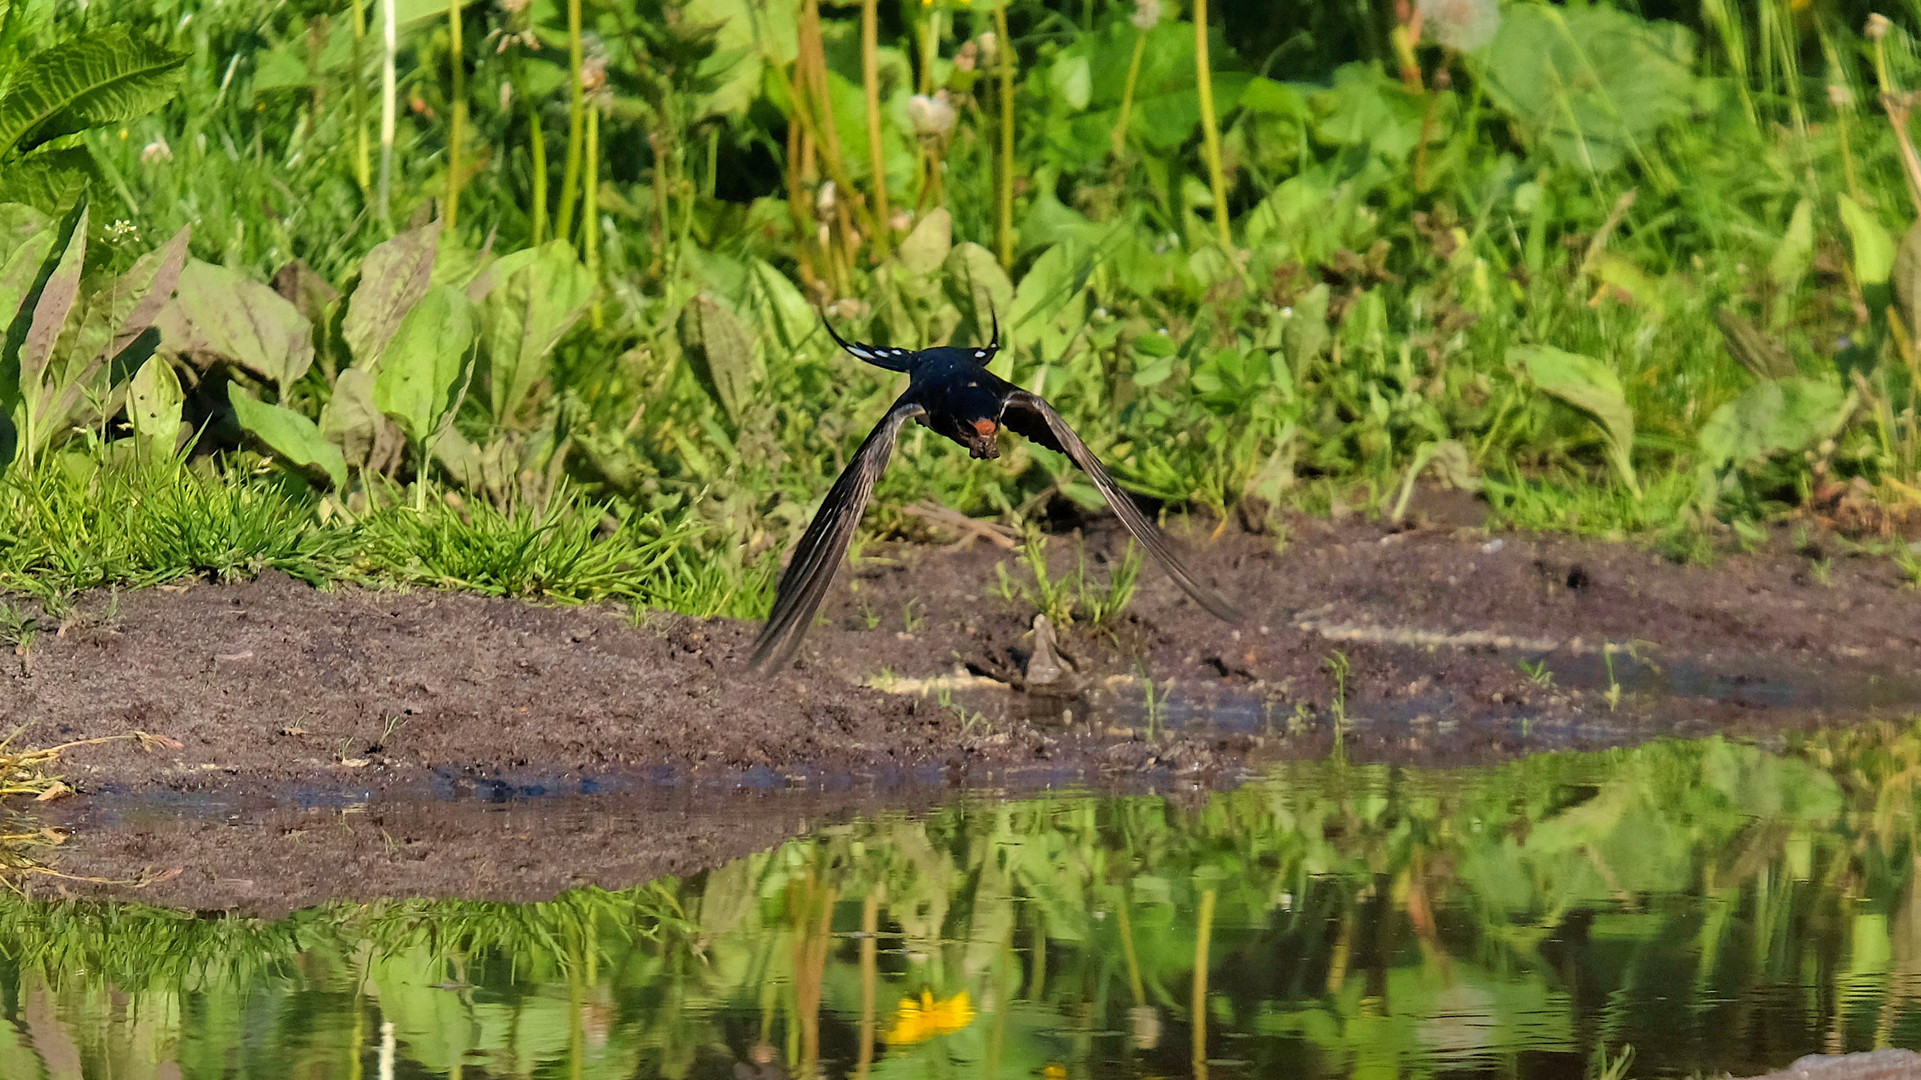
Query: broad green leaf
[[50, 308], [393, 278], [423, 372], [1054, 279], [17, 269], [1753, 349], [105, 77], [288, 434], [1594, 84], [1592, 387], [220, 315], [723, 353], [1777, 416], [1793, 255], [979, 286], [1907, 279], [13, 381], [925, 249], [1873, 247], [153, 407], [785, 314], [49, 180], [351, 421], [138, 296], [525, 316]]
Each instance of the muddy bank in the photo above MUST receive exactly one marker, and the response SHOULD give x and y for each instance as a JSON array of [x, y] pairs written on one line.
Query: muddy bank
[[353, 732]]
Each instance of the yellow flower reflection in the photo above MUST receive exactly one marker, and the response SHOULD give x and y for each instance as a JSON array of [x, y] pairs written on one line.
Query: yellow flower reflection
[[918, 1021]]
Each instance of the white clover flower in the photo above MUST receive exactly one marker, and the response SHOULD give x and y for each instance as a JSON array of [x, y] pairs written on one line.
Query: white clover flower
[[1146, 14], [1878, 27], [1461, 25], [157, 150]]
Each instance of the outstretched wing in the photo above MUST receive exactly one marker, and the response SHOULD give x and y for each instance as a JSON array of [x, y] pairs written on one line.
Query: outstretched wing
[[824, 544], [1030, 415], [885, 356]]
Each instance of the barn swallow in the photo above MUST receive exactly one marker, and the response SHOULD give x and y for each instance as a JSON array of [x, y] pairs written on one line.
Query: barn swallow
[[951, 392]]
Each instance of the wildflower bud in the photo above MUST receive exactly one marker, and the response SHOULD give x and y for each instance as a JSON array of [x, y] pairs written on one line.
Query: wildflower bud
[[1840, 96], [506, 95], [965, 59], [824, 200], [593, 73], [157, 150], [1146, 14], [933, 117], [901, 221], [514, 7], [1878, 27], [990, 48], [1459, 25]]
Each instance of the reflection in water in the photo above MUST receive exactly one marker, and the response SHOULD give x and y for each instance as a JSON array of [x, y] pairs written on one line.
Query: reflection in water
[[1716, 907]]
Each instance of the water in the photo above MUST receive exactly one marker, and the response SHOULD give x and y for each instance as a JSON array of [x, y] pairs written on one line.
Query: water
[[1714, 906]]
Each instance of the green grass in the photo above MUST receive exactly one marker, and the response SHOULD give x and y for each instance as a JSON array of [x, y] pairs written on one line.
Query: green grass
[[1395, 251]]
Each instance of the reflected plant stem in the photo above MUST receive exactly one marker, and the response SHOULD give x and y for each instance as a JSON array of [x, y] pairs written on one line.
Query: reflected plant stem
[[869, 970], [1038, 947], [1126, 921], [1203, 935], [810, 967]]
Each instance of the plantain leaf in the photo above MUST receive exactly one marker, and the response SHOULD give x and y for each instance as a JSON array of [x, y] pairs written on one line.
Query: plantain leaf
[[154, 400], [785, 315], [18, 267], [220, 315], [393, 278], [1753, 349], [1873, 247], [351, 420], [71, 227], [49, 180], [288, 434], [1593, 388], [422, 374], [979, 287], [721, 350], [50, 308], [107, 77], [925, 249], [1907, 280], [1777, 416], [525, 316]]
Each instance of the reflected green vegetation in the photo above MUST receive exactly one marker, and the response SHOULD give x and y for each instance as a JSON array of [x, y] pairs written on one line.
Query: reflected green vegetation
[[1716, 906]]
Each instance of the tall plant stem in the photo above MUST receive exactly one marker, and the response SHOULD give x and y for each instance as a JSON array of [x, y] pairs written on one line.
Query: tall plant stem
[[1203, 937], [876, 156], [1210, 125], [363, 158], [1127, 92], [537, 149], [390, 46], [576, 126], [1004, 231], [457, 122], [590, 218]]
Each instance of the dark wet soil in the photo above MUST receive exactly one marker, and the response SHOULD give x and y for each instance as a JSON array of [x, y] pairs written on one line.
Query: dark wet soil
[[351, 726]]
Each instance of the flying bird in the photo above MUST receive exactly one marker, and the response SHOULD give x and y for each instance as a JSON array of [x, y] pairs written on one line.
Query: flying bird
[[950, 391]]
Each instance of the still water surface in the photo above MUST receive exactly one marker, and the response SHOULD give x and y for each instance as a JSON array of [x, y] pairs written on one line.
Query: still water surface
[[1716, 907]]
